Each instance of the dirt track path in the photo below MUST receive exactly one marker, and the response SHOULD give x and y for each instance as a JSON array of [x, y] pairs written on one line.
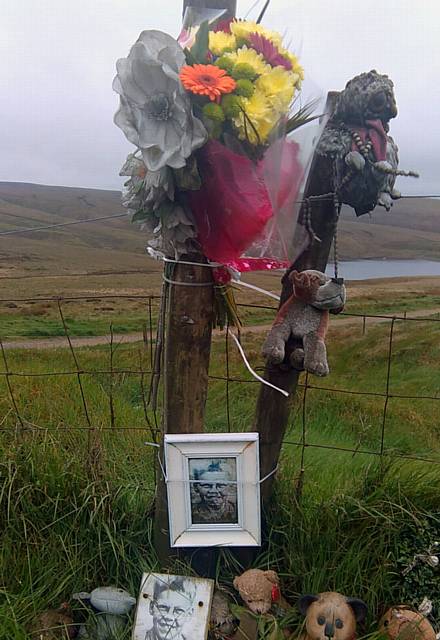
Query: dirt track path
[[127, 338]]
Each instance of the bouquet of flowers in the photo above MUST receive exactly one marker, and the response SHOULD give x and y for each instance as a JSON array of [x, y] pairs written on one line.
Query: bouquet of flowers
[[210, 116]]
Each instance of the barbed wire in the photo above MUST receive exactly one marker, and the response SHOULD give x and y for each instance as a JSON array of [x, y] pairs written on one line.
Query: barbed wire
[[88, 298], [125, 215], [61, 224], [19, 406], [79, 274]]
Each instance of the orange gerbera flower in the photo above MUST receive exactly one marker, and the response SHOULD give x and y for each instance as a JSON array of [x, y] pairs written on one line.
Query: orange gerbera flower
[[207, 80]]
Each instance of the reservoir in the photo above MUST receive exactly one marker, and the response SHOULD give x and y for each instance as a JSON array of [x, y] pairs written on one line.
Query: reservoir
[[368, 269]]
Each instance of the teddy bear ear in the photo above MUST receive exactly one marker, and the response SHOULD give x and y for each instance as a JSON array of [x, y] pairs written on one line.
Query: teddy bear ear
[[359, 607], [305, 602], [272, 576], [293, 275]]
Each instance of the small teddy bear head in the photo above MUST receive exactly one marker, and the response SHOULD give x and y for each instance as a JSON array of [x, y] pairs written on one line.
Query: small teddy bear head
[[331, 615], [368, 96], [318, 289], [401, 623], [257, 588]]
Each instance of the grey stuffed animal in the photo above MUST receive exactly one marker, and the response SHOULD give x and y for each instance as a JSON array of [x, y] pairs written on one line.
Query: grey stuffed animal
[[112, 606], [356, 137], [305, 316]]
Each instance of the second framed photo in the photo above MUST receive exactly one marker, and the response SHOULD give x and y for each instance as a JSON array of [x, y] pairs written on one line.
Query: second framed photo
[[213, 489]]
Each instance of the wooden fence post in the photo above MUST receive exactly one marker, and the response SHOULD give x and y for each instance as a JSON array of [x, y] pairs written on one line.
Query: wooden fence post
[[273, 410], [187, 346], [186, 352]]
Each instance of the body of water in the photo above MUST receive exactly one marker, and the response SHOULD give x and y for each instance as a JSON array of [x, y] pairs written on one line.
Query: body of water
[[366, 269]]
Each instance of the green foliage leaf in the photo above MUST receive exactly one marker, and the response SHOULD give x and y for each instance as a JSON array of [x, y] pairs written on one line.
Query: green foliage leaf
[[165, 209], [276, 633], [199, 49], [302, 116], [238, 611], [189, 57], [422, 580], [140, 215], [188, 178], [138, 188]]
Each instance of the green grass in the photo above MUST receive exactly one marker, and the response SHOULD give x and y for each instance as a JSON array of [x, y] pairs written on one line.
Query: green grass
[[76, 513], [43, 320], [53, 327], [410, 302]]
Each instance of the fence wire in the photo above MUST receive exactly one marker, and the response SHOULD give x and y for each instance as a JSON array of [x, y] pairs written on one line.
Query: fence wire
[[145, 370]]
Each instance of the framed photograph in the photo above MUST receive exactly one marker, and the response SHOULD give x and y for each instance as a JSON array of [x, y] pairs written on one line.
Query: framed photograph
[[213, 489], [172, 608]]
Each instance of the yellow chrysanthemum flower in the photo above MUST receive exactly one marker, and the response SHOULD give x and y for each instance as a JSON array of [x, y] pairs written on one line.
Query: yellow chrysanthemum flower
[[244, 28], [250, 57], [278, 85], [296, 67], [257, 106], [256, 120], [219, 42]]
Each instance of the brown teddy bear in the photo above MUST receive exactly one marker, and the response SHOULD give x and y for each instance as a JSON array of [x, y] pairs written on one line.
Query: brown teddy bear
[[54, 624], [259, 589], [305, 316], [401, 623], [331, 615]]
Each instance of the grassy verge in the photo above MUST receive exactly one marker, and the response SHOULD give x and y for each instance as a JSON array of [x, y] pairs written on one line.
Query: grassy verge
[[358, 519], [93, 317]]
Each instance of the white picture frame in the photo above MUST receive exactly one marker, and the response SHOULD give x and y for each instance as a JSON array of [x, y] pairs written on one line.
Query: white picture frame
[[173, 608], [213, 488]]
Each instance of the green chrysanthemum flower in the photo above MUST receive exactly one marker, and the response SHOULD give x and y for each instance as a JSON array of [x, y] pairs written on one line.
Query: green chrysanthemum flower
[[231, 106], [215, 131], [214, 112], [245, 88], [243, 71], [225, 63]]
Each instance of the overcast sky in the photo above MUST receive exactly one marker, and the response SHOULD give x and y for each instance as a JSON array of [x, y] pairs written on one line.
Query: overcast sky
[[58, 61]]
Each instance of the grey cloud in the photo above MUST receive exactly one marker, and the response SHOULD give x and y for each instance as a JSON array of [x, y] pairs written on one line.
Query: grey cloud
[[58, 62]]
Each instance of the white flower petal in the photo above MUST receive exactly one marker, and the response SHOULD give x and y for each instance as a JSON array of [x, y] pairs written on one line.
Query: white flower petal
[[124, 118], [128, 87], [168, 137], [150, 79], [162, 46]]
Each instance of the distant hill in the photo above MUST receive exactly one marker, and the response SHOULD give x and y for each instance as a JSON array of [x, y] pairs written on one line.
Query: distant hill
[[96, 246], [410, 230]]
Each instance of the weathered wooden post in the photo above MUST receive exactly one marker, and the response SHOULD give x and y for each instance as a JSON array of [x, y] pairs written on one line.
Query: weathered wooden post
[[187, 344], [272, 411], [357, 153], [229, 5]]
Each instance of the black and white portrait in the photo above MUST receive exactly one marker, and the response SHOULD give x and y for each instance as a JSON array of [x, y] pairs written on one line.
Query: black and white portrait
[[172, 608], [213, 490]]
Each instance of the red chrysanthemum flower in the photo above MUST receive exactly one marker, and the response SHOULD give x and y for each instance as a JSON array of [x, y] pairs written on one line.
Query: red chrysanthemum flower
[[207, 80], [224, 25], [269, 51]]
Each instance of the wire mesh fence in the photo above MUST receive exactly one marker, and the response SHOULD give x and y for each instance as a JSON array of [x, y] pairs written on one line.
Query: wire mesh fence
[[107, 383]]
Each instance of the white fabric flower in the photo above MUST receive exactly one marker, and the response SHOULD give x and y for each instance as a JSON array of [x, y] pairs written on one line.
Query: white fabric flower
[[145, 189], [150, 195], [174, 232], [155, 113]]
